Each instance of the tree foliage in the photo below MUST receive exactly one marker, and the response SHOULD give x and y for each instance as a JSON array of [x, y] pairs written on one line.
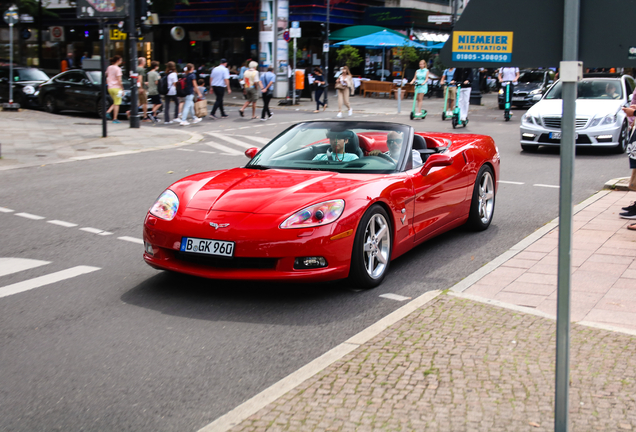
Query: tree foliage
[[349, 56]]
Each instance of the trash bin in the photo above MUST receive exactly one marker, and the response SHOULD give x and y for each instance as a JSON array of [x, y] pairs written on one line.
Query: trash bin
[[300, 79]]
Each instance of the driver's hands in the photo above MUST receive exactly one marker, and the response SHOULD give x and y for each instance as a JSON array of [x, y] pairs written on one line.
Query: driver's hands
[[375, 153]]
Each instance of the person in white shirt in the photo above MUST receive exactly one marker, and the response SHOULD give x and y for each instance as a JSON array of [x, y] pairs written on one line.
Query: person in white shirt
[[394, 142], [220, 80], [171, 71], [508, 76]]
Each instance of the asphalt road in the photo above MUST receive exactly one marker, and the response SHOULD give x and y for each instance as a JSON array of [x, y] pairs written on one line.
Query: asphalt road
[[108, 343]]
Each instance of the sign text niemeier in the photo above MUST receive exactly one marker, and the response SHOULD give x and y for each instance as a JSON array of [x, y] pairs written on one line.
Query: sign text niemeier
[[482, 46]]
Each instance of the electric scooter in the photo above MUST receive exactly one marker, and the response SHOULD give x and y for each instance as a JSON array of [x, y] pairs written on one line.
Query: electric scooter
[[456, 119], [444, 116], [507, 104], [414, 115]]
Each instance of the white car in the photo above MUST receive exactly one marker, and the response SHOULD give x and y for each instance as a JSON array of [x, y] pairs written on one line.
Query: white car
[[600, 120]]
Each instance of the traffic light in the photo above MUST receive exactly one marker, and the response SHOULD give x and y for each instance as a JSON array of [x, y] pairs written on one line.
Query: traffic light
[[323, 31]]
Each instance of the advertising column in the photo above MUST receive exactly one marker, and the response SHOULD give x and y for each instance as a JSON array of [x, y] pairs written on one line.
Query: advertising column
[[266, 33], [282, 54]]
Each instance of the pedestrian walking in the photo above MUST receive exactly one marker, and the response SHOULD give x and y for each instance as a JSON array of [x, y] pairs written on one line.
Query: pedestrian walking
[[252, 85], [464, 76], [115, 87], [319, 82], [267, 83], [191, 89], [630, 210], [421, 84], [172, 77], [344, 87], [153, 90], [220, 80], [449, 81], [142, 81]]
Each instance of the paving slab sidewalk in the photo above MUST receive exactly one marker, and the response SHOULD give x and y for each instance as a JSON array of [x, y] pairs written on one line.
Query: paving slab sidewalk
[[482, 359], [31, 138]]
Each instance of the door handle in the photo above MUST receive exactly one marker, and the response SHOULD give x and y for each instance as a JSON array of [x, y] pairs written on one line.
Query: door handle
[[67, 86]]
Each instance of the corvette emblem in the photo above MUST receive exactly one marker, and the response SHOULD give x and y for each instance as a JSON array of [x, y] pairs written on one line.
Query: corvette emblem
[[217, 226]]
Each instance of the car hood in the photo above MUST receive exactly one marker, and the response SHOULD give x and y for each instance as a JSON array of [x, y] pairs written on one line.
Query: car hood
[[526, 87], [584, 107], [271, 191]]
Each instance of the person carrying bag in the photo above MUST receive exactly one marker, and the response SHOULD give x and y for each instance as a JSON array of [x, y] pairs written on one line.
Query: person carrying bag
[[344, 87]]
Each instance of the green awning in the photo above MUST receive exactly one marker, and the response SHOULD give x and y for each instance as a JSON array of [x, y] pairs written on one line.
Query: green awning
[[358, 31]]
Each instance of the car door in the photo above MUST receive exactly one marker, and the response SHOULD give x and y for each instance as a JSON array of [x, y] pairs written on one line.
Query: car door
[[86, 94], [4, 85], [440, 191]]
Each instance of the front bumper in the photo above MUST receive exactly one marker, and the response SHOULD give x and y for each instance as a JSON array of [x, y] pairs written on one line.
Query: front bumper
[[526, 100], [262, 250], [600, 136]]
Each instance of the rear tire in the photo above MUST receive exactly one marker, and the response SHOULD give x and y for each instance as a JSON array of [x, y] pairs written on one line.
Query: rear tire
[[50, 105], [623, 139], [372, 249], [443, 116], [454, 122], [412, 116], [482, 205]]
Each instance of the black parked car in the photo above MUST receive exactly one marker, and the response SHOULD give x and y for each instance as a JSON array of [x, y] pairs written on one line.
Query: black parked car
[[532, 84], [25, 83], [78, 90]]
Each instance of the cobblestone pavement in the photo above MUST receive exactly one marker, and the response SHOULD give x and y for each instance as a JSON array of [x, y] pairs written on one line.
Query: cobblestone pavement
[[461, 365]]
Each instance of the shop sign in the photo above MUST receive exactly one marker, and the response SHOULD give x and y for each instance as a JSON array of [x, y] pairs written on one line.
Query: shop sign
[[116, 34], [56, 34], [482, 46]]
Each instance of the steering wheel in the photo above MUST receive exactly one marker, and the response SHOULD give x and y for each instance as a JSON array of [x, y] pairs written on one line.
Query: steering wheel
[[386, 157]]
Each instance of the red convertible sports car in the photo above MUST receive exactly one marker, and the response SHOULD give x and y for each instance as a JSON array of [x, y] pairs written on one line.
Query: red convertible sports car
[[322, 201]]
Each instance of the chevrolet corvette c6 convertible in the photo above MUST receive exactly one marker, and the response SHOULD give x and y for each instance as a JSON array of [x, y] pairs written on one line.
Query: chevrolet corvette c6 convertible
[[322, 201]]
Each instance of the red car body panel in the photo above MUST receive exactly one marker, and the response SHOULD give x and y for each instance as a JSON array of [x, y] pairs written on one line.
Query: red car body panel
[[421, 203]]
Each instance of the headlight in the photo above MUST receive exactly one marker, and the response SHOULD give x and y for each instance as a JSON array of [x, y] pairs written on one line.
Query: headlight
[[28, 90], [528, 119], [607, 120], [501, 91], [534, 92], [315, 215], [166, 206]]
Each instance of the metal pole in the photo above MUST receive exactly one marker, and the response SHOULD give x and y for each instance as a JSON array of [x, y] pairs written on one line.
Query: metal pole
[[294, 76], [327, 55], [11, 63], [132, 38], [382, 79], [102, 39], [275, 40], [40, 33], [562, 375]]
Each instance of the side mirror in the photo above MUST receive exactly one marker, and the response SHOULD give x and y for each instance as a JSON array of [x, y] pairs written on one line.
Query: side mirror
[[251, 152], [436, 160]]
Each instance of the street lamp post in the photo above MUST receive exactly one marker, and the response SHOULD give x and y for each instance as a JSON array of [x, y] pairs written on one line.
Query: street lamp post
[[327, 54]]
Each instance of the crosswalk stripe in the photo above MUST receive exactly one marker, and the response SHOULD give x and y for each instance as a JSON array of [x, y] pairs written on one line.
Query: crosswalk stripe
[[45, 280], [5, 210], [14, 265], [231, 140], [96, 231], [62, 223], [224, 149], [257, 139]]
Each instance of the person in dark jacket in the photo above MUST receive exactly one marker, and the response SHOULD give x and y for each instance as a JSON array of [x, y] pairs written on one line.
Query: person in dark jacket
[[464, 76]]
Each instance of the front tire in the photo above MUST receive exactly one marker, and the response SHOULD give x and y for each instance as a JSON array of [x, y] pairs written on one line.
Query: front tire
[[412, 116], [623, 139], [443, 116], [454, 122], [371, 249], [50, 105], [482, 205]]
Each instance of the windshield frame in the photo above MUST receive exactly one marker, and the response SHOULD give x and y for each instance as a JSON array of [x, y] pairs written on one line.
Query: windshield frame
[[556, 88], [407, 130]]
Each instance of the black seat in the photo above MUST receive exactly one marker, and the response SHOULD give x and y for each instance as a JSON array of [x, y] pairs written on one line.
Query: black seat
[[419, 144], [353, 144]]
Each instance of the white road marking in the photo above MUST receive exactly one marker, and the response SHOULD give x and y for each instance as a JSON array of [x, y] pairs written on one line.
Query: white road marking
[[62, 223], [182, 149], [96, 231], [45, 280], [131, 239], [511, 182], [548, 186], [231, 140], [257, 139], [224, 149], [5, 210], [29, 216], [394, 297], [205, 151], [14, 265]]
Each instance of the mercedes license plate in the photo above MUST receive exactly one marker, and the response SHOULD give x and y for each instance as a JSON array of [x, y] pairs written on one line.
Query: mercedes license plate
[[557, 135], [207, 247], [517, 98]]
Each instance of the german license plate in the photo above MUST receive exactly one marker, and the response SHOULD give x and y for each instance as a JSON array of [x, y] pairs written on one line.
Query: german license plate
[[517, 98], [207, 247], [557, 135]]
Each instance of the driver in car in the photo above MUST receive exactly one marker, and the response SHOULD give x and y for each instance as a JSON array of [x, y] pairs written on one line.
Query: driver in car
[[610, 90], [394, 142], [337, 151]]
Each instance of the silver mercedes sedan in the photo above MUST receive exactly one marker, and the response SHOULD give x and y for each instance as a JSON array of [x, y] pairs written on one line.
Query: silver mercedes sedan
[[600, 120]]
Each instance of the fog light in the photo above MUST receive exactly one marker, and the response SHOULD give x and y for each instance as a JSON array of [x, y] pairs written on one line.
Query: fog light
[[149, 249], [309, 263], [528, 136], [604, 138]]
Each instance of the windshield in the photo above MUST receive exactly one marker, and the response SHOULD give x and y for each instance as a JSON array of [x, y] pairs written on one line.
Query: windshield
[[366, 147], [592, 89], [29, 75], [531, 77], [95, 77]]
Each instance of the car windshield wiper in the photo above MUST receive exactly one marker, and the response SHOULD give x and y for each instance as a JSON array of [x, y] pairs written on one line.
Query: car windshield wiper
[[258, 167]]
